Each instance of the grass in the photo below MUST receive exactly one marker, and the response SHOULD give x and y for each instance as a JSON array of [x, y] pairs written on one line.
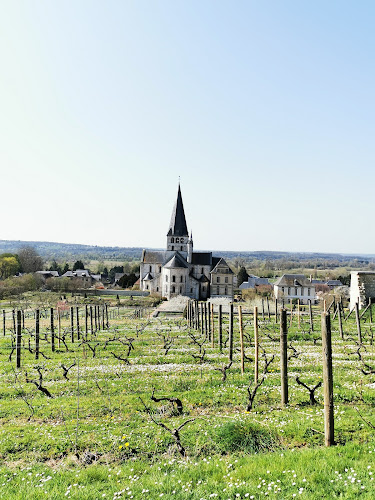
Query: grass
[[94, 438]]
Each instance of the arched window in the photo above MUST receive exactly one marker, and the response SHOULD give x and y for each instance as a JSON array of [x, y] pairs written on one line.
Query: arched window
[[173, 278], [172, 240], [173, 289]]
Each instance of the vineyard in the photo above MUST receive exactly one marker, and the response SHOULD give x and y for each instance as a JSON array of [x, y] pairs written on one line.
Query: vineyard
[[100, 398]]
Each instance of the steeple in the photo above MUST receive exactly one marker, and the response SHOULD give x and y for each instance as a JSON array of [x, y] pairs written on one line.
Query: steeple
[[177, 226], [178, 235]]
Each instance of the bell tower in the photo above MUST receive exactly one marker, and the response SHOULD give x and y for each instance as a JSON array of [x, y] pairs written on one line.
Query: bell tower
[[178, 236]]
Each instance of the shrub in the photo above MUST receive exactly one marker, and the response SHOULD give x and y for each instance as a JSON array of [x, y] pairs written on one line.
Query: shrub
[[246, 437]]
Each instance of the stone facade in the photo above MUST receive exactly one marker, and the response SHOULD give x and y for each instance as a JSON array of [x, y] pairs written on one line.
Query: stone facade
[[362, 288], [181, 271], [294, 286]]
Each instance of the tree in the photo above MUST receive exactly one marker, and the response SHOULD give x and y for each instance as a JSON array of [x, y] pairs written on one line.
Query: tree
[[9, 265], [242, 276], [55, 266], [78, 265], [30, 260], [65, 268], [127, 280], [114, 270]]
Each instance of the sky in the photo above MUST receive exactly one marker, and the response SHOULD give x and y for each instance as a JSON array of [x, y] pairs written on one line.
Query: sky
[[264, 109]]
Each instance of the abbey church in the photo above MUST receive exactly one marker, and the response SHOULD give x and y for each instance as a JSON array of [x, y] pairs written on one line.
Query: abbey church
[[179, 270]]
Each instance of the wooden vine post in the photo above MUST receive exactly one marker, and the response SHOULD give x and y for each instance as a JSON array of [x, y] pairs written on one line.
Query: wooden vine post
[[358, 321], [284, 357], [327, 380], [263, 309], [299, 313], [276, 312], [37, 334], [58, 326], [106, 315], [86, 320], [220, 318], [19, 339], [370, 309], [77, 321], [72, 323], [241, 340], [340, 320], [4, 322], [212, 324], [256, 342], [91, 322], [230, 356], [311, 316], [52, 331]]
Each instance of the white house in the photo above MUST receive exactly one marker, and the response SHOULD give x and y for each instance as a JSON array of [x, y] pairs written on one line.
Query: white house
[[294, 286]]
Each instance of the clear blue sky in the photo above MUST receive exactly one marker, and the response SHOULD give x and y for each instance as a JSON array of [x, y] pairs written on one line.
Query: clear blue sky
[[264, 108]]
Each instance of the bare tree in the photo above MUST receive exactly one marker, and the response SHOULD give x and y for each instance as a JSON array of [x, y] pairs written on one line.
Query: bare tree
[[30, 260]]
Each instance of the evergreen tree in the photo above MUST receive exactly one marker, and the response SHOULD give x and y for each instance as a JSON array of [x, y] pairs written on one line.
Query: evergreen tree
[[78, 265], [242, 276]]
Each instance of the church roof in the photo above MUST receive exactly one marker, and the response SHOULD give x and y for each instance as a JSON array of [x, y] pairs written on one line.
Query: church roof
[[202, 258], [148, 277], [177, 226], [176, 261]]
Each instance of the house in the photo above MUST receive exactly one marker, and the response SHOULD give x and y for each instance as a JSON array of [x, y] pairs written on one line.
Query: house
[[45, 275], [294, 286], [83, 275], [333, 284], [179, 270], [253, 281]]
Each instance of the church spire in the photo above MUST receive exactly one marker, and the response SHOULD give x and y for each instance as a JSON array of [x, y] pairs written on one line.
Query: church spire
[[177, 226]]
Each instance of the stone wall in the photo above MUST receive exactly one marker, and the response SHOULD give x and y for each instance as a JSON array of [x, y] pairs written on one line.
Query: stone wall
[[362, 288]]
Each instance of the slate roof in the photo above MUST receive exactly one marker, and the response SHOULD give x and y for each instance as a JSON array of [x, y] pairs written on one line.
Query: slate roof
[[177, 261], [202, 258], [221, 262], [53, 274], [177, 226], [334, 283], [155, 257], [293, 280], [148, 277]]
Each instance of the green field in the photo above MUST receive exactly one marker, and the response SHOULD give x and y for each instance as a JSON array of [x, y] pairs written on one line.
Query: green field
[[98, 436]]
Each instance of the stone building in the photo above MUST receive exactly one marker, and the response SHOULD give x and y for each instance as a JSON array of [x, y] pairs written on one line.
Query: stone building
[[362, 288], [294, 286], [179, 270]]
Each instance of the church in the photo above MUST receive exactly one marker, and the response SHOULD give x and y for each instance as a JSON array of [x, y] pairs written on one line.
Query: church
[[179, 270]]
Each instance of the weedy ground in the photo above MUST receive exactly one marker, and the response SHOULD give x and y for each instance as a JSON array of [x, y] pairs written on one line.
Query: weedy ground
[[98, 436]]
